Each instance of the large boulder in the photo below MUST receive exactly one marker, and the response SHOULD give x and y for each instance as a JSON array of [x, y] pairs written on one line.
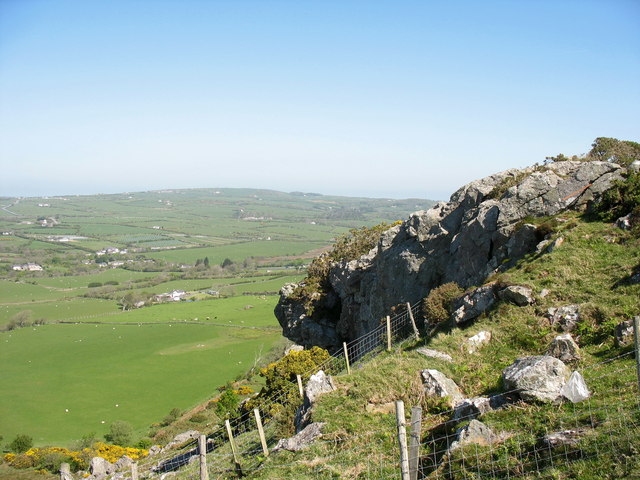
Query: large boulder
[[477, 233], [437, 384], [537, 378]]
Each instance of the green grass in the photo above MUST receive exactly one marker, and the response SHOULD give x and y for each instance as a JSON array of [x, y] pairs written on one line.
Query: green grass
[[61, 309], [589, 269], [237, 252], [89, 369]]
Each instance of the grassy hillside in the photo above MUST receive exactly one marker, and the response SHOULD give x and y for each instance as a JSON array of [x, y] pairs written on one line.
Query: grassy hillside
[[591, 268]]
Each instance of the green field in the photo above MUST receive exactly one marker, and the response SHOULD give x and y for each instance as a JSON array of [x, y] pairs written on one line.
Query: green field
[[93, 354], [103, 373]]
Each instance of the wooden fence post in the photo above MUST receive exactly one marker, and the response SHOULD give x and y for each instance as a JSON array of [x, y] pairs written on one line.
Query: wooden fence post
[[413, 322], [134, 471], [414, 442], [402, 440], [388, 333], [263, 439], [346, 357], [300, 387], [234, 449], [202, 451]]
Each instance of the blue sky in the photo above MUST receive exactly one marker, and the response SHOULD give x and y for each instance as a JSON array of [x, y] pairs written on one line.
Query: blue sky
[[383, 99]]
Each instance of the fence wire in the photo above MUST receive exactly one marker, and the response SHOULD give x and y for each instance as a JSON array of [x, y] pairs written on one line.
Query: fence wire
[[565, 437]]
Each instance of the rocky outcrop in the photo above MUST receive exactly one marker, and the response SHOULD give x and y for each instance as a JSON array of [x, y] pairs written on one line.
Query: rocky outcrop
[[100, 468], [478, 232], [437, 384], [564, 438], [474, 407], [537, 378]]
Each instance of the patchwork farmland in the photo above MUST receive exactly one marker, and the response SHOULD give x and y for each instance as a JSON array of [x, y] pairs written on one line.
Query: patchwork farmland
[[90, 339]]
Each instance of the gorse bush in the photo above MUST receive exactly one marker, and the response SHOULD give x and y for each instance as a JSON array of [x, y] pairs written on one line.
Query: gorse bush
[[281, 383], [227, 403], [50, 458], [437, 306]]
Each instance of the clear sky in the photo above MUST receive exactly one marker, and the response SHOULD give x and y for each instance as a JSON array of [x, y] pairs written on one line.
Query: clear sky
[[377, 98]]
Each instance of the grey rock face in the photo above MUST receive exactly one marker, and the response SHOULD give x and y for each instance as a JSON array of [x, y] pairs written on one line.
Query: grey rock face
[[123, 462], [537, 378], [437, 384], [302, 439], [623, 333], [463, 241], [564, 348], [518, 295]]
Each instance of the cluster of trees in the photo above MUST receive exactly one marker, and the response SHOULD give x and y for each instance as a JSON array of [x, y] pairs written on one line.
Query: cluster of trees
[[22, 319], [204, 263]]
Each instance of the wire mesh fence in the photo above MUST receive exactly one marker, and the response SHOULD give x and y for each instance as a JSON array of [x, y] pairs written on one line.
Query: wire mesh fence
[[593, 438], [220, 459], [525, 441]]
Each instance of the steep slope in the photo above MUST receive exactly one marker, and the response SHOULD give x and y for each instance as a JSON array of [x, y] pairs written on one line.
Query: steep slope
[[595, 268], [480, 231]]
